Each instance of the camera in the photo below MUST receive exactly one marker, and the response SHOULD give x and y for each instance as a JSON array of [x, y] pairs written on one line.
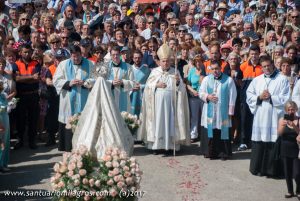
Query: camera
[[288, 117]]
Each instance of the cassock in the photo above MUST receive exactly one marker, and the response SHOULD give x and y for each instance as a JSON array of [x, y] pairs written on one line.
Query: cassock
[[266, 116], [72, 99], [216, 120], [121, 71], [159, 129], [141, 75], [296, 96]]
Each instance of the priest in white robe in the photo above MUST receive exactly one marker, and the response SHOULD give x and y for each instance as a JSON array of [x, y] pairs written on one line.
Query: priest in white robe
[[121, 77], [218, 91], [70, 81], [266, 96], [296, 96], [165, 109]]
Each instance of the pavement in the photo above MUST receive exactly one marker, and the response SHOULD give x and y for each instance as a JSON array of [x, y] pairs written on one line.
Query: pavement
[[186, 177]]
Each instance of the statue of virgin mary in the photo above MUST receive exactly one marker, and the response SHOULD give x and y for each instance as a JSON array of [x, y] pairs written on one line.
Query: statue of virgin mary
[[101, 124]]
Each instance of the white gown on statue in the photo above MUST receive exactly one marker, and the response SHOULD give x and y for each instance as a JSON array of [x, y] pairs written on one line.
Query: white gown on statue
[[101, 124]]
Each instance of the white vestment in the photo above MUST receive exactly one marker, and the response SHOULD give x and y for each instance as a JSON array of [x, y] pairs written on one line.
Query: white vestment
[[101, 124], [59, 80], [217, 117], [268, 112], [158, 112], [296, 96], [121, 94]]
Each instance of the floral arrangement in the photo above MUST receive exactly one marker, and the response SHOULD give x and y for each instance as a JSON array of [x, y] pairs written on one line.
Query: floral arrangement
[[81, 177], [132, 122], [73, 121], [12, 104]]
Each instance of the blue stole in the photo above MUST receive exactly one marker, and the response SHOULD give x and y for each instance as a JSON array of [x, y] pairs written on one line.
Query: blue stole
[[224, 106], [122, 75], [141, 75], [78, 100]]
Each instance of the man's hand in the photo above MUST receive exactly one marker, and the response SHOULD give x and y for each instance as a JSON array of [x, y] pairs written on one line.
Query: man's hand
[[117, 82], [76, 83], [265, 95], [213, 98], [161, 85], [195, 93], [36, 76], [136, 87]]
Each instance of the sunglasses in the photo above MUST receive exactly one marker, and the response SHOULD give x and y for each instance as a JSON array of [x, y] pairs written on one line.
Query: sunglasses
[[25, 19], [151, 22], [182, 31], [174, 24], [295, 16], [55, 42]]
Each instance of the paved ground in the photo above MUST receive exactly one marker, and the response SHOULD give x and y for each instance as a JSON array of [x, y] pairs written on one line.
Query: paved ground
[[188, 177]]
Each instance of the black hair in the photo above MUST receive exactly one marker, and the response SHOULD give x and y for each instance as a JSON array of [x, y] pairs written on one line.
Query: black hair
[[24, 29], [74, 49], [254, 48]]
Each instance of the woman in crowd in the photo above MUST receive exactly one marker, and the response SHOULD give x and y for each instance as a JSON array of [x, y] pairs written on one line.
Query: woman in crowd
[[288, 129], [233, 70], [194, 79]]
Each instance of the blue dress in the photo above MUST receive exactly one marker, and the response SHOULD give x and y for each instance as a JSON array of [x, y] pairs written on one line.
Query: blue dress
[[5, 138]]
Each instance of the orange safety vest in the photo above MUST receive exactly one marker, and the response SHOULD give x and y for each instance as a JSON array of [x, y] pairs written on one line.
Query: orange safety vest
[[250, 71], [23, 70], [93, 58], [207, 64], [52, 69]]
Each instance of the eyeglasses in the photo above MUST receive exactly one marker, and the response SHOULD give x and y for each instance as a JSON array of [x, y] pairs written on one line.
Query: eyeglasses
[[169, 19], [23, 19], [174, 25], [295, 16], [151, 22], [55, 42]]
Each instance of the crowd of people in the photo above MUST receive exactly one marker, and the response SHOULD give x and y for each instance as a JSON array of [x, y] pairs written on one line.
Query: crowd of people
[[218, 71]]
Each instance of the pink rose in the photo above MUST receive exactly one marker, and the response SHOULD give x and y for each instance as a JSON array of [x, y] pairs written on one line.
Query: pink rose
[[113, 192], [115, 164], [92, 182], [71, 166], [82, 150], [126, 168], [133, 165], [53, 179], [116, 178], [127, 174], [116, 171], [121, 178], [110, 174], [110, 182], [120, 184], [108, 164], [116, 158], [98, 183], [107, 158], [76, 182], [79, 164], [61, 184], [82, 172], [57, 176], [133, 160], [70, 173], [122, 163], [85, 181], [129, 180]]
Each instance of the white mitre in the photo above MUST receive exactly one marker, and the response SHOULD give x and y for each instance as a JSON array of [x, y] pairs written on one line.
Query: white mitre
[[164, 52]]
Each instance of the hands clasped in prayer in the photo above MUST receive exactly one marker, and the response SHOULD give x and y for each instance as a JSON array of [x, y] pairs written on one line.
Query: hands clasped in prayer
[[265, 95]]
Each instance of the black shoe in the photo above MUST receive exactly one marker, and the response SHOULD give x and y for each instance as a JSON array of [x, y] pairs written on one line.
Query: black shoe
[[33, 146], [155, 152], [18, 145], [289, 195]]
